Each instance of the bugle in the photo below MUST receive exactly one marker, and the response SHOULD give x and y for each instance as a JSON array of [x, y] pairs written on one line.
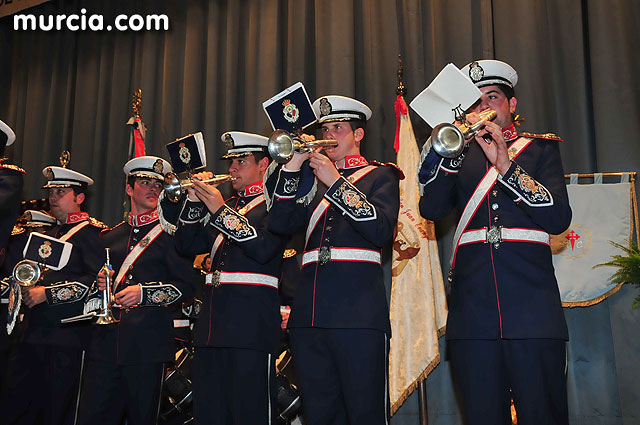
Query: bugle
[[26, 273], [282, 145], [174, 187], [449, 140], [104, 314]]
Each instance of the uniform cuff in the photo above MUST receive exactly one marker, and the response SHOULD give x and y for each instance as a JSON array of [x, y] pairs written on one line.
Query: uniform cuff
[[158, 294], [288, 183], [350, 200], [192, 212], [65, 292], [526, 188], [233, 224]]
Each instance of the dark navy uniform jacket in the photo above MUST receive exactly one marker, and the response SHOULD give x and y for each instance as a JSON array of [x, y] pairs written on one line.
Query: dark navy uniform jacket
[[506, 289], [246, 314], [11, 181], [67, 289], [360, 218], [145, 332]]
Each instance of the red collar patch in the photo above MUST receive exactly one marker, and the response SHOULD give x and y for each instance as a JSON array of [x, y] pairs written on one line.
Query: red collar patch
[[142, 219], [353, 161], [252, 189], [509, 132], [76, 217]]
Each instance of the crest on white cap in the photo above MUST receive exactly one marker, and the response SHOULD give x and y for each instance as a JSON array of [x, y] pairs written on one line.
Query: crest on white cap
[[340, 108], [64, 177], [152, 167], [243, 144], [11, 136], [490, 71]]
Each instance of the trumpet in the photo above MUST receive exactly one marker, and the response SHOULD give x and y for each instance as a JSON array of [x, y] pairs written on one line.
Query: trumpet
[[104, 314], [26, 273], [174, 188], [449, 140], [282, 145]]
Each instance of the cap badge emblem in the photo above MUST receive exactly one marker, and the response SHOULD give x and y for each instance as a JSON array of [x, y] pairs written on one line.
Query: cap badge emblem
[[476, 73], [325, 107], [158, 166], [48, 173], [228, 141]]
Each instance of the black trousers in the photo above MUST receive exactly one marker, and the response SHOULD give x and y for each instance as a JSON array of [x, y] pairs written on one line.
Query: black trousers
[[233, 386], [113, 392], [532, 371], [343, 375], [42, 385]]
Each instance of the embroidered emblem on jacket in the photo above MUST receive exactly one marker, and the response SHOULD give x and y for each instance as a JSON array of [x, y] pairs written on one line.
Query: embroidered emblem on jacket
[[354, 201], [530, 189]]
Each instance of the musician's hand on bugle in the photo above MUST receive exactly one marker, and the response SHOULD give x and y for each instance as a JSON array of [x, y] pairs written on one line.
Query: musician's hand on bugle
[[203, 175], [491, 141], [129, 296], [298, 159], [209, 194], [102, 280], [323, 167], [34, 295]]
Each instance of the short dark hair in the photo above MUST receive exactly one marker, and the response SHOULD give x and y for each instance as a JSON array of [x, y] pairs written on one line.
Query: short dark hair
[[509, 92], [356, 124], [131, 180], [80, 189], [257, 156]]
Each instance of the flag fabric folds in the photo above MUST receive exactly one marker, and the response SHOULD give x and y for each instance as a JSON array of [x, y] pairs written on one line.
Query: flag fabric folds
[[418, 306], [138, 133], [601, 213]]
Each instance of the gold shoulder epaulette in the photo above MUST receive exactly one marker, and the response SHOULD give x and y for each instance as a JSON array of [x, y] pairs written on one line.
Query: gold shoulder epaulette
[[399, 172], [107, 229], [17, 230], [97, 223], [288, 253], [547, 136]]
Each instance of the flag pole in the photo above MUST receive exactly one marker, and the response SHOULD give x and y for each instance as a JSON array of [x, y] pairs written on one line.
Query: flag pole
[[136, 137], [401, 90]]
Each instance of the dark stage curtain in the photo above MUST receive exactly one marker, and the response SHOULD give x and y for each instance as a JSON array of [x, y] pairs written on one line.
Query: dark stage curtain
[[577, 65]]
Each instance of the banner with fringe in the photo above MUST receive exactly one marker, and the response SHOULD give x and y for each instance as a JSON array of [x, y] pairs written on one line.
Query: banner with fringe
[[418, 305], [602, 212]]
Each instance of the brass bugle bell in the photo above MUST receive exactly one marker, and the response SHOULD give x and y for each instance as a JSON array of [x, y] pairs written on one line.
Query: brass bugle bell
[[282, 145], [26, 273], [104, 314], [449, 140], [174, 188]]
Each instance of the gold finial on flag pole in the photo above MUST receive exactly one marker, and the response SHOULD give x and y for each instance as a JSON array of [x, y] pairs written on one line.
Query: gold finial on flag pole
[[136, 102], [400, 90]]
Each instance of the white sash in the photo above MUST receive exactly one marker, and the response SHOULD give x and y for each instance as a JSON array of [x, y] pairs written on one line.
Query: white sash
[[136, 252], [75, 229], [479, 194], [324, 204], [242, 211]]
